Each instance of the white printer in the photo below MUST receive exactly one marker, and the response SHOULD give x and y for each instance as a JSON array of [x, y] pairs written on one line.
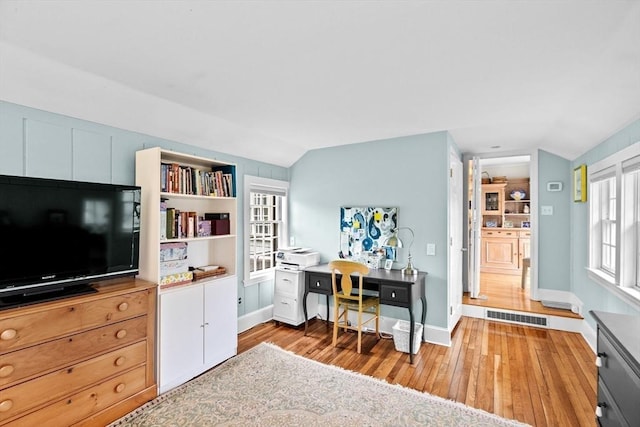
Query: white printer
[[296, 258]]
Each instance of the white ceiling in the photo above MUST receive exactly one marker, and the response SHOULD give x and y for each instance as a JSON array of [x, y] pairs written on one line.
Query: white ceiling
[[270, 80]]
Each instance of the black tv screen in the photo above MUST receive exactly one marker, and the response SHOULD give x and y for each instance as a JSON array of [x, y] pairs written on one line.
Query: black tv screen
[[58, 235]]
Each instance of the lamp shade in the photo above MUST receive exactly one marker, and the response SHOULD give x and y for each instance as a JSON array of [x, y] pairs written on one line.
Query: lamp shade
[[394, 241]]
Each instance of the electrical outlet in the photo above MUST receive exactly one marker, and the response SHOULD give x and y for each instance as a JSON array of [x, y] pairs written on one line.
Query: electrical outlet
[[431, 249], [292, 241], [239, 300]]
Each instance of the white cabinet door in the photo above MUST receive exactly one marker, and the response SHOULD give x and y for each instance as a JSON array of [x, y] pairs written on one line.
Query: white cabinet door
[[221, 320], [181, 336]]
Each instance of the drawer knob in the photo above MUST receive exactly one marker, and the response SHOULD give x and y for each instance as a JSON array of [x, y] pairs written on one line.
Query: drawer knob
[[120, 361], [8, 334], [600, 409], [318, 284], [6, 405], [393, 294], [6, 370], [123, 306], [120, 388], [599, 359], [121, 333]]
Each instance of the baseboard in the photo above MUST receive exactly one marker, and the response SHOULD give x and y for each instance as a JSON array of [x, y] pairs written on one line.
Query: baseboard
[[254, 318], [561, 296]]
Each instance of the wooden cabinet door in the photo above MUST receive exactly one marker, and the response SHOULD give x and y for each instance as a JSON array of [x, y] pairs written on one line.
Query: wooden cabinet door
[[499, 253], [181, 336], [220, 320]]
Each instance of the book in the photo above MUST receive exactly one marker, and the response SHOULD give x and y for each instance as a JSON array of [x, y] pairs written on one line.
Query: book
[[163, 220]]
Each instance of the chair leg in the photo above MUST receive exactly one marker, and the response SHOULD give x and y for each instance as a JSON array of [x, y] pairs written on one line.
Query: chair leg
[[336, 310], [378, 321], [359, 331]]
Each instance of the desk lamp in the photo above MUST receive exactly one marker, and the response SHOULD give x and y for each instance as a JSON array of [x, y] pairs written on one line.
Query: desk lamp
[[395, 242]]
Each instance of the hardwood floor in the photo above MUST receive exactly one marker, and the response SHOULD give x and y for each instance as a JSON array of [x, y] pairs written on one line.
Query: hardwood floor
[[505, 291], [538, 376]]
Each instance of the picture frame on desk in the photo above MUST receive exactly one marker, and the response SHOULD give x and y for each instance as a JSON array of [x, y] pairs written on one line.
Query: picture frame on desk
[[388, 264]]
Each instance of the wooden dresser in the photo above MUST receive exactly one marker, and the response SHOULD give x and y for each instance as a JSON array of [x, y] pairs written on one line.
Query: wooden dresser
[[618, 363], [85, 360]]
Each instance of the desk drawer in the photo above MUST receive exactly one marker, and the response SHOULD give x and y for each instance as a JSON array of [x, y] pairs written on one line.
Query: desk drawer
[[319, 283], [394, 295], [615, 371]]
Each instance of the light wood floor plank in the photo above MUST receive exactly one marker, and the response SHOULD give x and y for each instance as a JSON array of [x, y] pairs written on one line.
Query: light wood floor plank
[[538, 376]]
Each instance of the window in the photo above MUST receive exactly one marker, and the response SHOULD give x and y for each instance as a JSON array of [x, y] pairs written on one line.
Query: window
[[614, 237], [265, 225]]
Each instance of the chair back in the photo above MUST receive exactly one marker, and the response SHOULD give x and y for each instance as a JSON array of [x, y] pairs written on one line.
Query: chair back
[[346, 268]]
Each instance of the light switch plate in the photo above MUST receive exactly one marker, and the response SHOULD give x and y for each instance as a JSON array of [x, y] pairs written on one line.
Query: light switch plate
[[546, 210], [431, 248]]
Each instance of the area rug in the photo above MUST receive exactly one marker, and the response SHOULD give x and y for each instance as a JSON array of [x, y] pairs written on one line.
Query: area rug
[[268, 386]]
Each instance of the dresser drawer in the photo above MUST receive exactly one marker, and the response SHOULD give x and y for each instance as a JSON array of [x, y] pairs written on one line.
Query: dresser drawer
[[30, 394], [319, 283], [55, 354], [82, 404], [394, 295], [615, 371], [28, 329], [611, 416], [499, 233]]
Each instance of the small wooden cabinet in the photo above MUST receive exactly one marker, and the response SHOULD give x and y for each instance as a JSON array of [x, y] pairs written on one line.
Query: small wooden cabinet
[[502, 250], [85, 360]]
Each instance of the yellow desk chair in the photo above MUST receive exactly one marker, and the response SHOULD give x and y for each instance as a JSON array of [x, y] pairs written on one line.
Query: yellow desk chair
[[344, 301]]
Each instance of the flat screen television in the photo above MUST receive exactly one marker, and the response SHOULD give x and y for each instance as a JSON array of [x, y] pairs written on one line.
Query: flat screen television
[[57, 237]]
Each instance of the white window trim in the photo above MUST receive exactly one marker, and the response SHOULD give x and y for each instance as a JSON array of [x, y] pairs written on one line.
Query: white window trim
[[617, 285], [257, 184]]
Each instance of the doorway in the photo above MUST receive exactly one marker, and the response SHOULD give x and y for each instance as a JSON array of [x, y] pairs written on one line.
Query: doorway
[[501, 239]]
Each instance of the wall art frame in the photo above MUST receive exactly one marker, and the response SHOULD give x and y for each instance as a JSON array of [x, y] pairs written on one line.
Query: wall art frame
[[580, 184]]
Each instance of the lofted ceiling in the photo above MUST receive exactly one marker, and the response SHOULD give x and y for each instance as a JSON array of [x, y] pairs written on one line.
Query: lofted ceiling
[[271, 80]]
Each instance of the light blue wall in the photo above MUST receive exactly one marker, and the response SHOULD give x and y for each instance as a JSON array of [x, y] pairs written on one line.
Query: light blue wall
[[409, 173], [554, 231], [42, 144], [594, 296]]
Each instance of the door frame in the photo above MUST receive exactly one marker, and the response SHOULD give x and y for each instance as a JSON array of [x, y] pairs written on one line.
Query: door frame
[[533, 189], [455, 254]]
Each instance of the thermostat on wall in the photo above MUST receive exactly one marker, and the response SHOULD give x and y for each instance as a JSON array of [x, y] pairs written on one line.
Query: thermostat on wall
[[554, 186]]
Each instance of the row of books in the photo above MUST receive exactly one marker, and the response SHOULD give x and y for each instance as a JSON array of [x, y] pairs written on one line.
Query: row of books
[[181, 179], [176, 224]]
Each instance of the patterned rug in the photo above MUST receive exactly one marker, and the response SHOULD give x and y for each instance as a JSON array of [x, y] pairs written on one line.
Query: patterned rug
[[268, 386]]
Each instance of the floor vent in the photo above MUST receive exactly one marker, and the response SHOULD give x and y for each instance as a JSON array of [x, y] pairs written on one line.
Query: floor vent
[[524, 319]]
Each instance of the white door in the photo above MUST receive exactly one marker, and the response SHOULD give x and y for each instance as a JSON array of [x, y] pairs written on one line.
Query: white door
[[220, 320], [456, 227], [181, 336], [475, 217]]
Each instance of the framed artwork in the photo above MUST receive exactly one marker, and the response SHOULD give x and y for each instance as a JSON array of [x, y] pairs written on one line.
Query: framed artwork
[[580, 184], [388, 264], [366, 229]]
